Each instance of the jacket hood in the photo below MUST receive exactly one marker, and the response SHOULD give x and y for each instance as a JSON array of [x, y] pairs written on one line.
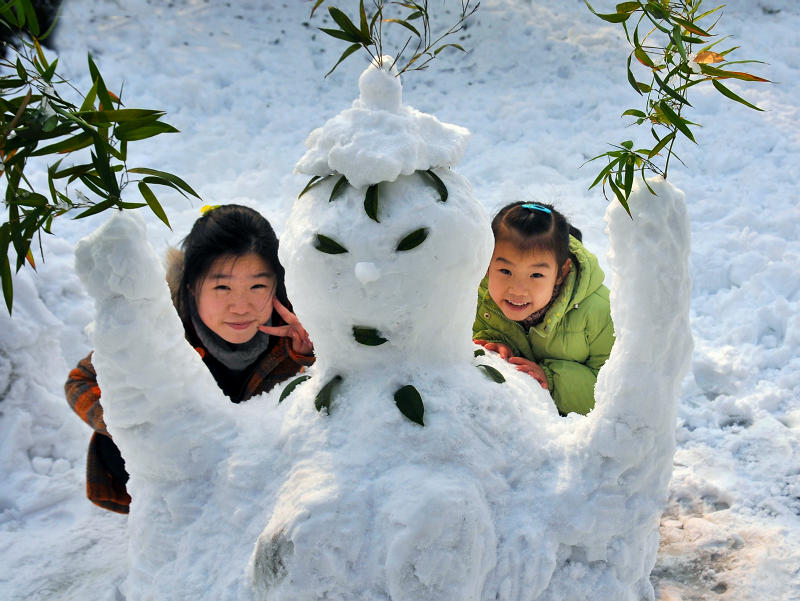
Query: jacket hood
[[175, 261]]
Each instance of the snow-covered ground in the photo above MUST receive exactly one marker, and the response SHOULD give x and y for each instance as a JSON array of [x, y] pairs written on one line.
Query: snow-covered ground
[[541, 92]]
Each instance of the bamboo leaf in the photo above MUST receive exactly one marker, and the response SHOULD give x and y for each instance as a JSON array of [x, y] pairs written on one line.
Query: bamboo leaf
[[732, 95], [412, 240], [409, 402], [328, 245], [368, 336], [323, 398], [167, 176], [405, 24], [669, 91], [350, 50], [610, 17], [338, 188], [153, 203], [689, 26], [440, 48], [119, 115], [677, 121], [316, 6], [634, 113], [313, 182], [439, 184], [136, 131], [8, 284], [343, 21], [341, 35], [371, 203], [722, 74], [491, 373], [643, 57], [627, 7], [291, 386], [98, 208], [661, 144]]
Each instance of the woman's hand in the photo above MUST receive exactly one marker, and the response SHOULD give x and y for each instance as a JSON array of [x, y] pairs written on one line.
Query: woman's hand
[[293, 329], [531, 368], [498, 347]]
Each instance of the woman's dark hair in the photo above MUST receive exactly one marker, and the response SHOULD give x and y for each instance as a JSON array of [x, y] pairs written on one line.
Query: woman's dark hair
[[228, 230], [535, 226]]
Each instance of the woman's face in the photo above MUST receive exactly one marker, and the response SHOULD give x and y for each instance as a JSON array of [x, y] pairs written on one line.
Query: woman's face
[[235, 296]]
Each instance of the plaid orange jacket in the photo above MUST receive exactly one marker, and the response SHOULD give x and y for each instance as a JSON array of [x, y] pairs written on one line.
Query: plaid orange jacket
[[105, 472]]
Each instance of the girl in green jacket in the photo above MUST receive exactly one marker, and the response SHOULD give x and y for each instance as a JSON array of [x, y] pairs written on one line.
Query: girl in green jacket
[[543, 306]]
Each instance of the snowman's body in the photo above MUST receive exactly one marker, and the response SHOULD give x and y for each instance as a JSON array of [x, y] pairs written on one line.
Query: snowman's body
[[495, 497]]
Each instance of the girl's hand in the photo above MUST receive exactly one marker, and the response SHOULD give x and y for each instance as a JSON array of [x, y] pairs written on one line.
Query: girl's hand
[[293, 329], [498, 347], [531, 368]]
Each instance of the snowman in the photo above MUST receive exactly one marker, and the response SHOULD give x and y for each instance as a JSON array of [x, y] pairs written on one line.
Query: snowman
[[404, 465]]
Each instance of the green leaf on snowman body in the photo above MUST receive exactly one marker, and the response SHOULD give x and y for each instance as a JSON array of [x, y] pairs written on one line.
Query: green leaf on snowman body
[[368, 336], [291, 386], [491, 373], [328, 245], [323, 399], [409, 402]]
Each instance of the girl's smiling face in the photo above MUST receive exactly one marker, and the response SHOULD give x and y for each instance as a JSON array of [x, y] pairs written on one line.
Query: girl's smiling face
[[235, 296], [522, 282]]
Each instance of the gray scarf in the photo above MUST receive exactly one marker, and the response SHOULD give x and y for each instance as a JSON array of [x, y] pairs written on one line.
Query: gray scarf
[[235, 357]]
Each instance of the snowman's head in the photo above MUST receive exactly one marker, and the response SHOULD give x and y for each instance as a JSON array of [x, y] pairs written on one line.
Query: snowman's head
[[384, 252], [398, 290]]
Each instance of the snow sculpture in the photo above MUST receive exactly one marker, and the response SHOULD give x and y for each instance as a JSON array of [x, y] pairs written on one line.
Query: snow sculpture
[[394, 469]]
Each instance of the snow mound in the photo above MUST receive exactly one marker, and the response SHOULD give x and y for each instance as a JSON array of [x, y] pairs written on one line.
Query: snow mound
[[379, 138]]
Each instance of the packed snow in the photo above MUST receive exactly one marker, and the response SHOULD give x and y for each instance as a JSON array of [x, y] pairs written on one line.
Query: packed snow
[[540, 93]]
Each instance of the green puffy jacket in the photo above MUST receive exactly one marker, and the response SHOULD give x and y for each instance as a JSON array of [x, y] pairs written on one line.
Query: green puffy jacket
[[573, 340]]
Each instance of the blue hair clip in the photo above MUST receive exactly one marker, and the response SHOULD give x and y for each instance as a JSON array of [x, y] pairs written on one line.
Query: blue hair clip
[[534, 207]]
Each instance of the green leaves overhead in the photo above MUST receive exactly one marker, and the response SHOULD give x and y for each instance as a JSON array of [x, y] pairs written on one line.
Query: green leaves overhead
[[368, 336], [412, 240], [414, 20], [289, 388], [37, 121], [323, 398], [409, 402], [491, 373], [328, 245], [666, 53]]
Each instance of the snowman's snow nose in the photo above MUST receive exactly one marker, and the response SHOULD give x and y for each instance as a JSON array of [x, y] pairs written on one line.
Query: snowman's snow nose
[[367, 272]]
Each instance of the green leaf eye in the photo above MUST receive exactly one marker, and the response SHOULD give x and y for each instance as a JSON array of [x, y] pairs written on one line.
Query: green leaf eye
[[368, 336], [409, 402], [328, 245], [412, 240], [323, 399], [291, 386], [491, 373]]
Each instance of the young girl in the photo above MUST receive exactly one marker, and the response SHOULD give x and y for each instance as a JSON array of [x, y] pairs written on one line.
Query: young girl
[[227, 287], [543, 306]]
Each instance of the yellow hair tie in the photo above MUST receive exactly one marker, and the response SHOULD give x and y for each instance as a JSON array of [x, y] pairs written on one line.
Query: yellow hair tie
[[208, 208]]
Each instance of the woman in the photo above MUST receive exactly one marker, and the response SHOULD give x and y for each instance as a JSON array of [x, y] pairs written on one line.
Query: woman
[[227, 285]]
